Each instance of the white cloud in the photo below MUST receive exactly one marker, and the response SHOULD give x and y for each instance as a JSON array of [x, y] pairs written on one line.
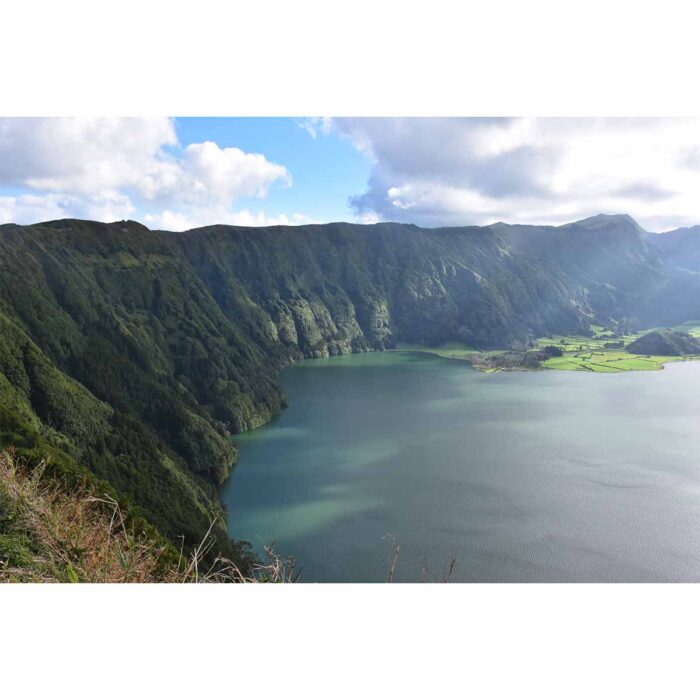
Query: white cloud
[[179, 221], [477, 171], [30, 208], [220, 175], [86, 156], [108, 169], [315, 126], [367, 217]]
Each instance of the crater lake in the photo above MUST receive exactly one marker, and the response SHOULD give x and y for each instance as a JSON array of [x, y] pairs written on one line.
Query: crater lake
[[546, 476]]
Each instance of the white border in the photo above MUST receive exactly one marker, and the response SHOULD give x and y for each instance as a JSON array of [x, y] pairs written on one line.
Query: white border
[[344, 641], [365, 57]]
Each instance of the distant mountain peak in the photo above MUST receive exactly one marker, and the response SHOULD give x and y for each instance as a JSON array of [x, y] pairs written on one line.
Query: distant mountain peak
[[606, 221]]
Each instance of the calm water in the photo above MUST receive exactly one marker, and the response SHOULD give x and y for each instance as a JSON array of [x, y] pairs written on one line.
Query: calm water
[[525, 476]]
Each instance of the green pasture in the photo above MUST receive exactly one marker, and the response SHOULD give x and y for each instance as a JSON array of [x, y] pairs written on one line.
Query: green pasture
[[581, 353], [591, 355]]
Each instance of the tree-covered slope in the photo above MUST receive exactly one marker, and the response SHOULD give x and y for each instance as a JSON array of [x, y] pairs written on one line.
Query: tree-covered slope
[[677, 298], [119, 316], [681, 248], [665, 342], [142, 352]]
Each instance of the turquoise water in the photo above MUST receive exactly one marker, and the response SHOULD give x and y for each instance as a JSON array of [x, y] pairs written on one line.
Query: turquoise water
[[522, 476]]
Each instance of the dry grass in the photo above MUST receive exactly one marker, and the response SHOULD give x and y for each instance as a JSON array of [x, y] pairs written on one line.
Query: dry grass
[[77, 535]]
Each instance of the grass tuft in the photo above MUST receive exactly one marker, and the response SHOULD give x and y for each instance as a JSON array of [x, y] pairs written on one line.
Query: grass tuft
[[53, 534]]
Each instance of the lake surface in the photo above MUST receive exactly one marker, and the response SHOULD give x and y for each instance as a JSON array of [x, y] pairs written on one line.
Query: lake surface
[[522, 476]]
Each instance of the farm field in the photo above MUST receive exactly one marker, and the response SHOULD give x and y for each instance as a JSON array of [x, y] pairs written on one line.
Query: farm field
[[580, 353], [600, 361], [591, 354]]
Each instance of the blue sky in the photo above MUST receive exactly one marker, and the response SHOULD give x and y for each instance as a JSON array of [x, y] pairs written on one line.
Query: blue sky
[[325, 170], [181, 173]]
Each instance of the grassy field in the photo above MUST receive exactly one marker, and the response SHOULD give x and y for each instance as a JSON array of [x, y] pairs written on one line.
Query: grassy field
[[591, 355], [606, 361], [581, 354]]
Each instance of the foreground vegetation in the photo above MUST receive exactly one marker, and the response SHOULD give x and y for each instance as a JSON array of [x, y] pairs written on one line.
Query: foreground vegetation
[[52, 533]]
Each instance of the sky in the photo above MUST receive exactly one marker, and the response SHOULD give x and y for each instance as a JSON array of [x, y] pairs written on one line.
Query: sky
[[180, 173]]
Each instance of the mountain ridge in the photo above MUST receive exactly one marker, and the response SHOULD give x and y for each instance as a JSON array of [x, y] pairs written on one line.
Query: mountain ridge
[[592, 220]]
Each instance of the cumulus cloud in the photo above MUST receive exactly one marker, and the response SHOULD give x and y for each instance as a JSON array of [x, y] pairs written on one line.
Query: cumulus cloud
[[178, 221], [476, 171], [87, 156], [30, 208], [220, 175], [108, 169]]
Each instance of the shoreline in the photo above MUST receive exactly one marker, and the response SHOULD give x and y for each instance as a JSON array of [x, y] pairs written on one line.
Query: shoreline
[[662, 362]]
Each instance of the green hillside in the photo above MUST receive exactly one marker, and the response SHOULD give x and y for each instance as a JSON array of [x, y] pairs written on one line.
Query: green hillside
[[666, 342]]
